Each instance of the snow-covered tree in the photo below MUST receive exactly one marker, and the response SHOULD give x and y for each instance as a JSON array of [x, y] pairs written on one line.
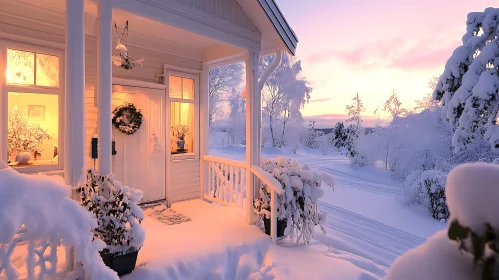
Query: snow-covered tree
[[284, 93], [222, 81], [427, 102], [393, 106], [237, 118], [354, 111], [468, 87], [311, 137]]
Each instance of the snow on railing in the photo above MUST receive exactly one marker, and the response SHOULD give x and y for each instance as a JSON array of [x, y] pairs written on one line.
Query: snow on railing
[[226, 181], [274, 188], [37, 216]]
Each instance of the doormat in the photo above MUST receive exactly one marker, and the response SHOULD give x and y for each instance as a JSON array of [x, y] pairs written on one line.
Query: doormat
[[166, 215]]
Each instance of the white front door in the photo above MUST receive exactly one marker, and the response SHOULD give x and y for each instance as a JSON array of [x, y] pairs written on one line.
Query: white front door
[[140, 159]]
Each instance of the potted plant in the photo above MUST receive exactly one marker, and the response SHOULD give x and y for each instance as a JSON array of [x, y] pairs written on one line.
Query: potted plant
[[118, 217], [180, 131], [297, 207], [262, 208], [24, 138]]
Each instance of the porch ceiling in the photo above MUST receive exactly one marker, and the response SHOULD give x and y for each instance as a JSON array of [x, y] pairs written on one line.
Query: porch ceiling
[[143, 32]]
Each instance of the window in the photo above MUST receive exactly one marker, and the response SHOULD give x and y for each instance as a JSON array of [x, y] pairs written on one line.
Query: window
[[183, 114], [32, 93]]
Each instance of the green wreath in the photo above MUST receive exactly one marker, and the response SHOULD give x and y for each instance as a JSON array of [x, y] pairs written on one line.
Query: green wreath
[[127, 118]]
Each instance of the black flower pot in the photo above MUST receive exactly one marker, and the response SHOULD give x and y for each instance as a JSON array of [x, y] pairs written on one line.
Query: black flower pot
[[281, 226], [122, 263]]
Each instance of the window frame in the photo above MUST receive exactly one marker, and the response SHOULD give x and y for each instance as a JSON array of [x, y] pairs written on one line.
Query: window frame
[[195, 101], [34, 89]]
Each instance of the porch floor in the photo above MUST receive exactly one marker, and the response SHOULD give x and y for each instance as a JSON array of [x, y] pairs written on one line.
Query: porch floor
[[216, 239]]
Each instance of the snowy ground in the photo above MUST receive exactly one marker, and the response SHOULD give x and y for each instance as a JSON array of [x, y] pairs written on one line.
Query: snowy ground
[[364, 217]]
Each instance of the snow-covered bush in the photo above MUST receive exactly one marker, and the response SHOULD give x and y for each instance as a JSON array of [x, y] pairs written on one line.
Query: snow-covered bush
[[299, 204], [427, 188], [345, 139], [116, 208], [469, 250], [36, 212], [433, 182]]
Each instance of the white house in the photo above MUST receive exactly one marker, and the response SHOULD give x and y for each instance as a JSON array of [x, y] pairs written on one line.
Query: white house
[[57, 74]]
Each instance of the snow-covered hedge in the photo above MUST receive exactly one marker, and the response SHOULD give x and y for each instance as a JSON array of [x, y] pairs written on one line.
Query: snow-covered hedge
[[427, 188], [299, 204], [469, 250], [116, 208], [38, 209]]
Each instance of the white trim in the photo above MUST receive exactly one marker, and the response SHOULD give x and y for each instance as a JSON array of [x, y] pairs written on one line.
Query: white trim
[[226, 60], [280, 24], [5, 89], [181, 69], [32, 41], [136, 83]]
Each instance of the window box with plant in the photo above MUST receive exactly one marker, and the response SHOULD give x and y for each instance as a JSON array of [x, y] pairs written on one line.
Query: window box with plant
[[119, 219]]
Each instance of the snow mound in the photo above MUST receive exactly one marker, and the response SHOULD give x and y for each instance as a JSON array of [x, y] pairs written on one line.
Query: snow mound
[[438, 258], [472, 193], [42, 205]]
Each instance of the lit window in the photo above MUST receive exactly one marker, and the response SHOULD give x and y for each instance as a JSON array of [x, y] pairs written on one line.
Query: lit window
[[32, 93], [33, 128], [22, 69], [182, 95]]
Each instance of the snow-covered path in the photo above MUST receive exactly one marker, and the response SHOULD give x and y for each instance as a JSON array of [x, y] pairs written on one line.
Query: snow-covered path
[[375, 233]]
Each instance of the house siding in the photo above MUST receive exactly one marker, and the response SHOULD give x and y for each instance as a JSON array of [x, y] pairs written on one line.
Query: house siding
[[185, 180], [224, 9]]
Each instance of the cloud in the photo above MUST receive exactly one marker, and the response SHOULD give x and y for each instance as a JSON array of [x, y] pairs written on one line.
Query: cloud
[[426, 53], [330, 120]]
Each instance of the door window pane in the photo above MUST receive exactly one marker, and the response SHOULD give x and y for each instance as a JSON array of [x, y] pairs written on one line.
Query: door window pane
[[33, 127], [175, 87], [47, 70], [20, 67], [188, 88], [181, 87], [182, 120]]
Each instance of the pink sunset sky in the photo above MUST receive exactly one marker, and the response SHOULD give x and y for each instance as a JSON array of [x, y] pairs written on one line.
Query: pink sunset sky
[[372, 47]]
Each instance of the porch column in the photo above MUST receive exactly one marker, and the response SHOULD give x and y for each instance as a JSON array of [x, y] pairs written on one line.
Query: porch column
[[204, 127], [74, 101], [104, 78], [74, 113], [253, 125]]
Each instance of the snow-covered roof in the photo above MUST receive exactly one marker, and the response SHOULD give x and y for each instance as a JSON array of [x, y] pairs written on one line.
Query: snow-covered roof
[[282, 27]]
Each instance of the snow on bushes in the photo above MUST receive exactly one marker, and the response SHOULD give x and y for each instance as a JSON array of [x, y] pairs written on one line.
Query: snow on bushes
[[38, 209], [470, 249], [116, 208], [299, 204], [427, 188]]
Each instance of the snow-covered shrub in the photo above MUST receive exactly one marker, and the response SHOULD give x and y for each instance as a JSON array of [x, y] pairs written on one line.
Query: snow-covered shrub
[[37, 210], [311, 136], [299, 204], [469, 250], [433, 182], [427, 188], [116, 208]]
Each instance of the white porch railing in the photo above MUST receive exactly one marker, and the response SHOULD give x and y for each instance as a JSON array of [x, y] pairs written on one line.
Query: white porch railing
[[226, 181], [274, 188]]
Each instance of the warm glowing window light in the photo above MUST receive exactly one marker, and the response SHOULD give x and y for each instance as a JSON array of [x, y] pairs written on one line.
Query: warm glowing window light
[[182, 114], [23, 67], [33, 117]]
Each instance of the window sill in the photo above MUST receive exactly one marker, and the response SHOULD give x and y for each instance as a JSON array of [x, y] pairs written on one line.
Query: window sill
[[44, 166], [183, 156]]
